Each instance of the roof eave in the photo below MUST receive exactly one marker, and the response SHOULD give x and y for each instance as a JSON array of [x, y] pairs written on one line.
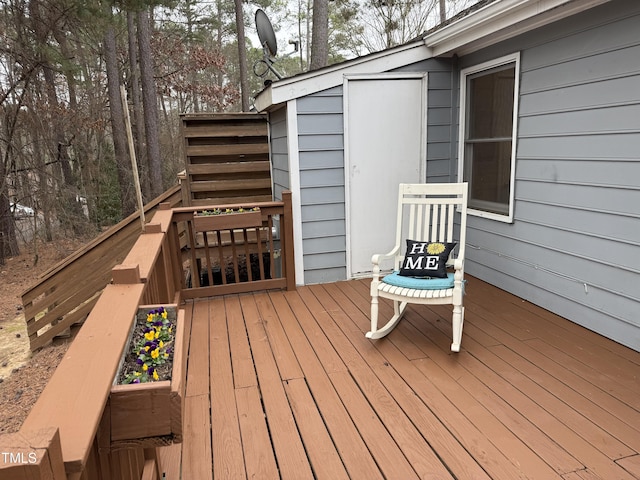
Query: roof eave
[[500, 21], [308, 83]]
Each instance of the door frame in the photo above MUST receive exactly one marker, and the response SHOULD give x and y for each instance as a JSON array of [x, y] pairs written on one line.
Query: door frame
[[423, 76]]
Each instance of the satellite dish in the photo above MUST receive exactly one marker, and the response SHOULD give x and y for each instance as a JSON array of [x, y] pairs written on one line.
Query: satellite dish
[[266, 34], [269, 46]]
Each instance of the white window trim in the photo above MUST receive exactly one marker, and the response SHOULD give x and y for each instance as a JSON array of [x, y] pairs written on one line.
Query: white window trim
[[513, 58]]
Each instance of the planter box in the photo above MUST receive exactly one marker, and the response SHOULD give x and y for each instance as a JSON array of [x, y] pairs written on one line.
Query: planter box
[[227, 221], [149, 410]]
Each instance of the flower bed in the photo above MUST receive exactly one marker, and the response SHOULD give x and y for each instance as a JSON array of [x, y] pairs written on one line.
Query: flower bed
[[147, 398], [226, 219], [149, 356]]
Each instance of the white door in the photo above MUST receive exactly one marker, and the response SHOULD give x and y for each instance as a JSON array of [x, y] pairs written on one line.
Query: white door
[[385, 145]]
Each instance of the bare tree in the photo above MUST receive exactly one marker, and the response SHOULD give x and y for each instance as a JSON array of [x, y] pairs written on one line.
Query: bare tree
[[8, 240], [125, 178], [136, 100], [393, 22], [149, 101]]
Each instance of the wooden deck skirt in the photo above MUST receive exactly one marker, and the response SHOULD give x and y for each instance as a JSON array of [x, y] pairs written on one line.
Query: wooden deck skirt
[[285, 385]]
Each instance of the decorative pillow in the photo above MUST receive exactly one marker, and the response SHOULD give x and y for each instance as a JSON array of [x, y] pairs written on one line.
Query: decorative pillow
[[424, 259]]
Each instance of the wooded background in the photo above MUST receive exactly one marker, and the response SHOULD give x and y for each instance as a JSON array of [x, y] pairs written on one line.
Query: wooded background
[[63, 142]]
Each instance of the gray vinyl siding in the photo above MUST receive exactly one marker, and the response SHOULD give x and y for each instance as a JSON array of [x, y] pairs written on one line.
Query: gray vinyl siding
[[279, 152], [574, 244], [322, 191], [321, 149], [440, 127]]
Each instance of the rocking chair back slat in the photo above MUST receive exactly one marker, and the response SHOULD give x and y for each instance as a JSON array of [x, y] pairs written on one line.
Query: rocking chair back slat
[[420, 209], [451, 210], [427, 222], [412, 221], [438, 224]]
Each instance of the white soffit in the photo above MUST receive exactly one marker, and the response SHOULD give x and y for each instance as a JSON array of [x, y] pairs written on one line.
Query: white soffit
[[500, 21], [311, 82]]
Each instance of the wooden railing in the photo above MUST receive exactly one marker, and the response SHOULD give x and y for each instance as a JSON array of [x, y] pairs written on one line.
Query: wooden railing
[[66, 293], [238, 259], [67, 435]]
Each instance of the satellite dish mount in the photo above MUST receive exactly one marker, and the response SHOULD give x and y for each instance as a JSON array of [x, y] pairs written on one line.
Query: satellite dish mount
[[269, 46]]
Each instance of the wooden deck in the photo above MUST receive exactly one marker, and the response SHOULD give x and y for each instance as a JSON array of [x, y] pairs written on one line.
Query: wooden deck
[[285, 385]]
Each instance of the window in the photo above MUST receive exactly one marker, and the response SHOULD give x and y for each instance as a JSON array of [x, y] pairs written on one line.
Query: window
[[488, 116]]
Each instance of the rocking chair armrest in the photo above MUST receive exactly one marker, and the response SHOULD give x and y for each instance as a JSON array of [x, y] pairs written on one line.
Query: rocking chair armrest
[[376, 258]]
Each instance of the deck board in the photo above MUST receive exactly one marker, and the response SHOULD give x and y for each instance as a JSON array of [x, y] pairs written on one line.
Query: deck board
[[244, 373], [198, 364], [323, 457], [554, 427], [631, 464], [226, 438], [258, 453], [196, 446], [283, 354], [349, 444], [285, 385], [455, 407], [290, 454]]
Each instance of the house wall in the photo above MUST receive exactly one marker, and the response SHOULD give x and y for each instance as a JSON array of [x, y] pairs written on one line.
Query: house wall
[[320, 129], [322, 193], [441, 130], [279, 152], [574, 245]]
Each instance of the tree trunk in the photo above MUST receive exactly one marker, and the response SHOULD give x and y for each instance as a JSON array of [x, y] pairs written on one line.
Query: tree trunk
[[78, 146], [320, 34], [125, 178], [149, 101], [45, 190], [8, 240], [136, 100], [242, 57], [443, 10]]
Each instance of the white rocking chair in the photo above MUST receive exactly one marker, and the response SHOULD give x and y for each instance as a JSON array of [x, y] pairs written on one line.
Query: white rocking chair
[[426, 213]]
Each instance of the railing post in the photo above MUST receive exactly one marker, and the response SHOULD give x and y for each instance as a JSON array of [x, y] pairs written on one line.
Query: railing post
[[286, 235], [175, 262], [126, 274], [32, 454]]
